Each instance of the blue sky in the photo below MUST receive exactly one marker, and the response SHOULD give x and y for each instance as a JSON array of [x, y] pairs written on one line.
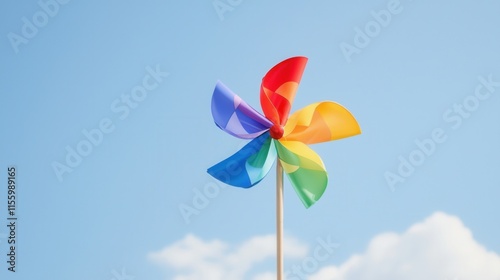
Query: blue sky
[[141, 75]]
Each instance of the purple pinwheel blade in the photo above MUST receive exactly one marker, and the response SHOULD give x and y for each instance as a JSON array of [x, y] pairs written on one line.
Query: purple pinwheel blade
[[235, 116]]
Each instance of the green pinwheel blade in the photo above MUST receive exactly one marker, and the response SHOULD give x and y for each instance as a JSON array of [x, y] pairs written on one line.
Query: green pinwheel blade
[[304, 168]]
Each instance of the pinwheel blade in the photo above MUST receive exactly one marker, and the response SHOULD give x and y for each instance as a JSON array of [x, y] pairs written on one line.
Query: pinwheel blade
[[278, 88], [305, 170], [249, 165], [320, 122], [235, 116]]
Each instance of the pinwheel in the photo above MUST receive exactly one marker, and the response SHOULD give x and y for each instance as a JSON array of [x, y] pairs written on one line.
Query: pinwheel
[[275, 135]]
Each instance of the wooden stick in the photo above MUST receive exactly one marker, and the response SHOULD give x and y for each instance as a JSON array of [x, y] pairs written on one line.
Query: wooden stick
[[279, 220]]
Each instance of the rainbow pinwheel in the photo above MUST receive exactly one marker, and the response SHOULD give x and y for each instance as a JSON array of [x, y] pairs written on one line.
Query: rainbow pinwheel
[[277, 135]]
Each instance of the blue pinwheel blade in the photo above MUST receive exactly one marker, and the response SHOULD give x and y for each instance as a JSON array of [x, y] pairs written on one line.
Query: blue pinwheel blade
[[249, 165]]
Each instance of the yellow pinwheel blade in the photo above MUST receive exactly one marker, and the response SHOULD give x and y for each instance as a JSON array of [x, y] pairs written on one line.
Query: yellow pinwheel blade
[[321, 122]]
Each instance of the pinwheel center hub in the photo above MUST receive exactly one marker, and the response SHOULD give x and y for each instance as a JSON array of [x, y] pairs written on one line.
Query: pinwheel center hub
[[276, 131]]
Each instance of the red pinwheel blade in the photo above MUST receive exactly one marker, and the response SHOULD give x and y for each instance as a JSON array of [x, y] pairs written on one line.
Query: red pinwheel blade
[[278, 88]]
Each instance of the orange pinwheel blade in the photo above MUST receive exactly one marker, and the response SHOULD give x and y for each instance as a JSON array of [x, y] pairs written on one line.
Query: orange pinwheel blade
[[321, 122]]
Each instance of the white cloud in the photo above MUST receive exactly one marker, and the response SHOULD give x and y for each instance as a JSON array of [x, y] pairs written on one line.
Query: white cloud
[[266, 276], [440, 247], [195, 259]]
